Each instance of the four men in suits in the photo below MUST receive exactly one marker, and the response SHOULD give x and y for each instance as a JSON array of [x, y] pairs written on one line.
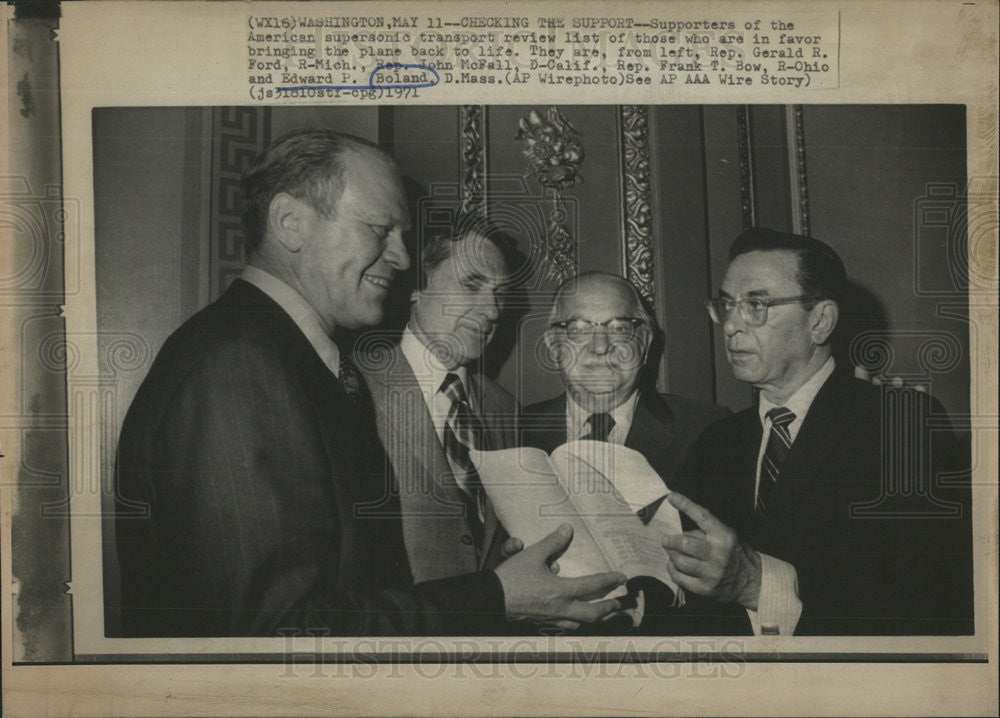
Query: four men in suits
[[832, 507], [253, 445], [449, 526], [273, 506]]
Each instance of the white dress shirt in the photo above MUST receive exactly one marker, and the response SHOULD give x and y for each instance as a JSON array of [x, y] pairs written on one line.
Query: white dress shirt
[[779, 606], [296, 307], [430, 374]]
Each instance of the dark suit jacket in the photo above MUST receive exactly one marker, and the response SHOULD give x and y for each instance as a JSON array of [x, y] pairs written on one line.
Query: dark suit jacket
[[435, 524], [872, 557], [268, 496], [663, 428]]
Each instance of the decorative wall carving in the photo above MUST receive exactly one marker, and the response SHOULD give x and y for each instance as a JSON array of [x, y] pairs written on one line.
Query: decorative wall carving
[[636, 197], [555, 156], [748, 199], [472, 124], [797, 169]]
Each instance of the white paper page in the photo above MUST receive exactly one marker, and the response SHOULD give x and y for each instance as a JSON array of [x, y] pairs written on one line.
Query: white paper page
[[625, 468], [631, 546], [631, 475], [531, 503]]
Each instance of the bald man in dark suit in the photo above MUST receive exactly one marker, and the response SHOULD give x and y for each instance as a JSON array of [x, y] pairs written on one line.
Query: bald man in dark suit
[[599, 336]]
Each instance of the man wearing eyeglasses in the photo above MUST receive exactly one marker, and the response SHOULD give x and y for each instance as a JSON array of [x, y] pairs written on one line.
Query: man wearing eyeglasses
[[599, 338], [791, 517]]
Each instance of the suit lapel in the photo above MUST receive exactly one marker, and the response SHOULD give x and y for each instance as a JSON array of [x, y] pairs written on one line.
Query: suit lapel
[[491, 524], [415, 444], [821, 431], [404, 411], [733, 484], [333, 410], [545, 426], [652, 434], [481, 406]]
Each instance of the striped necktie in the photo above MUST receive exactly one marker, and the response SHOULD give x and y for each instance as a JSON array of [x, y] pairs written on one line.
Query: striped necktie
[[464, 431], [779, 442]]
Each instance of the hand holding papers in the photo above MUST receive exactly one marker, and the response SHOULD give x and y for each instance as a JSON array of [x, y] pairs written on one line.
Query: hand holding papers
[[532, 591], [596, 487]]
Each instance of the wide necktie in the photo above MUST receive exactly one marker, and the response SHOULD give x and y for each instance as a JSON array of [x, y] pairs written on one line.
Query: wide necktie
[[779, 442], [600, 426], [353, 385], [464, 431]]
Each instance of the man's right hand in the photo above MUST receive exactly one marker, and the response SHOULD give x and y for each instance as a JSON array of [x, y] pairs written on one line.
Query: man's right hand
[[532, 591], [712, 560]]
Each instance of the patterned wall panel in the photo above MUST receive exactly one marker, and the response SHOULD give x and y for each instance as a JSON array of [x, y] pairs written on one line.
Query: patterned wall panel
[[797, 169], [239, 134], [636, 198], [748, 189], [472, 124]]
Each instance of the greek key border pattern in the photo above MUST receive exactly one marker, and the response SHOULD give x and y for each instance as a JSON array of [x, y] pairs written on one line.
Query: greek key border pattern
[[239, 136]]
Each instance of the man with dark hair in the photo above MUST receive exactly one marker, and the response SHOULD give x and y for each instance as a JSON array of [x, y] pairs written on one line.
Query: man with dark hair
[[433, 403], [799, 504], [252, 442]]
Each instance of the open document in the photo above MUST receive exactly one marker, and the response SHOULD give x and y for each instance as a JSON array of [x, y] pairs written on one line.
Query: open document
[[595, 486]]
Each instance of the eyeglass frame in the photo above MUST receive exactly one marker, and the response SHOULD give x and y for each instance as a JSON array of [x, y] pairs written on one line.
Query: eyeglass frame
[[767, 302], [637, 323]]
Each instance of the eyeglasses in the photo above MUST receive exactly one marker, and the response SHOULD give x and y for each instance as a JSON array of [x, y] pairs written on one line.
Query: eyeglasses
[[618, 330], [753, 311]]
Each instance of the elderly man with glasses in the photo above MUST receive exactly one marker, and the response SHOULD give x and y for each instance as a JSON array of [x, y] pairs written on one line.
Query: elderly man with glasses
[[599, 338], [832, 506]]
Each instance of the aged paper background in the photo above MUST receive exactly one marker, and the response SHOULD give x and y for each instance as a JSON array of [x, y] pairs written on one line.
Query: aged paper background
[[192, 54]]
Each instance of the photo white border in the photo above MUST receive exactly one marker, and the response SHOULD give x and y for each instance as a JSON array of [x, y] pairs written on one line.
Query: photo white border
[[116, 54]]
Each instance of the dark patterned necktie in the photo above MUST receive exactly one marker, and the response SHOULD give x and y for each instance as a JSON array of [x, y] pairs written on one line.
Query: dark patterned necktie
[[354, 386], [464, 431], [779, 442], [600, 426]]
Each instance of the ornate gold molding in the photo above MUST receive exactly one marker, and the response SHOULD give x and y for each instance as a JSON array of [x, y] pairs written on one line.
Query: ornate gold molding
[[636, 198], [797, 168], [472, 158], [744, 143]]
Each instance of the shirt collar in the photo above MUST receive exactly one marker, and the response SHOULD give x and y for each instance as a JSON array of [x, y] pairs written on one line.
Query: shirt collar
[[427, 368], [300, 312], [799, 402], [576, 416]]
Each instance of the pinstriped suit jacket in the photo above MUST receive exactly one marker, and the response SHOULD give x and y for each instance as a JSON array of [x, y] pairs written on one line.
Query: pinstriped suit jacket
[[437, 533], [268, 496], [872, 557]]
